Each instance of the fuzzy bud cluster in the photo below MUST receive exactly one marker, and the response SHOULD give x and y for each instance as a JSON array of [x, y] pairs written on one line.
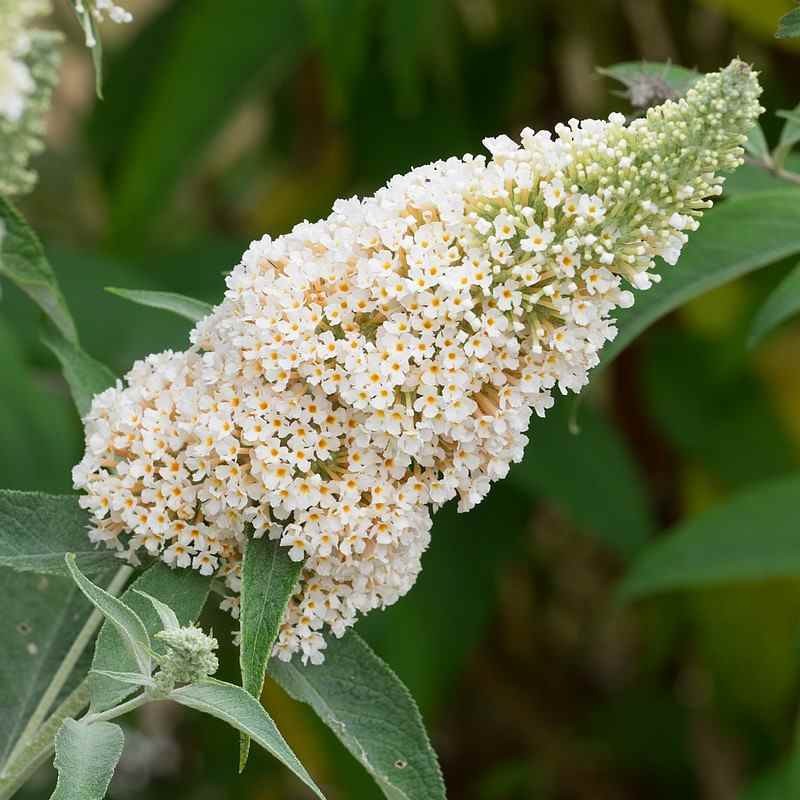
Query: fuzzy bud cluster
[[365, 369], [29, 60], [190, 656]]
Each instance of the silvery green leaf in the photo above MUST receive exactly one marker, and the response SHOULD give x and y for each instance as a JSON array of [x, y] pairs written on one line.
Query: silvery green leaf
[[22, 260], [41, 617], [372, 713], [131, 678], [169, 619], [85, 376], [86, 757], [789, 25], [186, 592], [268, 580], [179, 304], [234, 705], [124, 619], [37, 530]]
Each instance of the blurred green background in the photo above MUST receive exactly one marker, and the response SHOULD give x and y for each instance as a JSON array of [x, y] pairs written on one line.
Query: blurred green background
[[225, 119]]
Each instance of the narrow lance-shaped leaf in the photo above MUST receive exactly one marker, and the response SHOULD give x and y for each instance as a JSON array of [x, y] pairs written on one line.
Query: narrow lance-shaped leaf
[[782, 303], [85, 376], [22, 260], [365, 704], [86, 757], [185, 590], [742, 235], [750, 537], [37, 530], [124, 619], [268, 580], [179, 304], [234, 705]]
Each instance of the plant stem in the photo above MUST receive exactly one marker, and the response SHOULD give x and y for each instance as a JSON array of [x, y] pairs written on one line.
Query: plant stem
[[65, 670], [117, 711]]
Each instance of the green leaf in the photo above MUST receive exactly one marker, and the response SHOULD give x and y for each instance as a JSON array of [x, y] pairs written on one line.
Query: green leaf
[[41, 617], [169, 619], [87, 22], [268, 580], [752, 536], [739, 236], [23, 261], [789, 25], [179, 304], [756, 144], [85, 376], [590, 475], [790, 135], [648, 82], [125, 619], [86, 757], [194, 96], [782, 303], [132, 678], [234, 705], [184, 590], [364, 703], [38, 530]]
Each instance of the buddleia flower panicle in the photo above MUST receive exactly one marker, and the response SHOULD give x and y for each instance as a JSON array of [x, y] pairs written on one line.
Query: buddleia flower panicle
[[29, 61], [365, 369]]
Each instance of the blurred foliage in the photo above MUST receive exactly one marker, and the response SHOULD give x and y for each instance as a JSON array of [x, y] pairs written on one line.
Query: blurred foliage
[[222, 121]]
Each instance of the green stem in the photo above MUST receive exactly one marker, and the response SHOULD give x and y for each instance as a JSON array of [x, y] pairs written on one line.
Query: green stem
[[67, 666], [117, 711]]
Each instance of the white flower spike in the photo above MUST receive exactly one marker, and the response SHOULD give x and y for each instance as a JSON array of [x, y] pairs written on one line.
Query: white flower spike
[[29, 60], [365, 369]]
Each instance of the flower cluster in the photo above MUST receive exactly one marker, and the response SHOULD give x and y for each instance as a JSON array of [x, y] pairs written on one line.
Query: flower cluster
[[28, 71], [365, 369]]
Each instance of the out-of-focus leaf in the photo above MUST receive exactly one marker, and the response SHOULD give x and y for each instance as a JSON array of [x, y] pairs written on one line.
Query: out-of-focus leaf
[[367, 707], [713, 409], [750, 537], [86, 757], [38, 530], [789, 25], [590, 475], [184, 590], [179, 304], [416, 32], [41, 616], [23, 261], [130, 627], [751, 178], [648, 83], [426, 641], [194, 94], [756, 143], [238, 708], [782, 303], [37, 424], [780, 783], [341, 30], [790, 135], [268, 580], [85, 376], [739, 236]]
